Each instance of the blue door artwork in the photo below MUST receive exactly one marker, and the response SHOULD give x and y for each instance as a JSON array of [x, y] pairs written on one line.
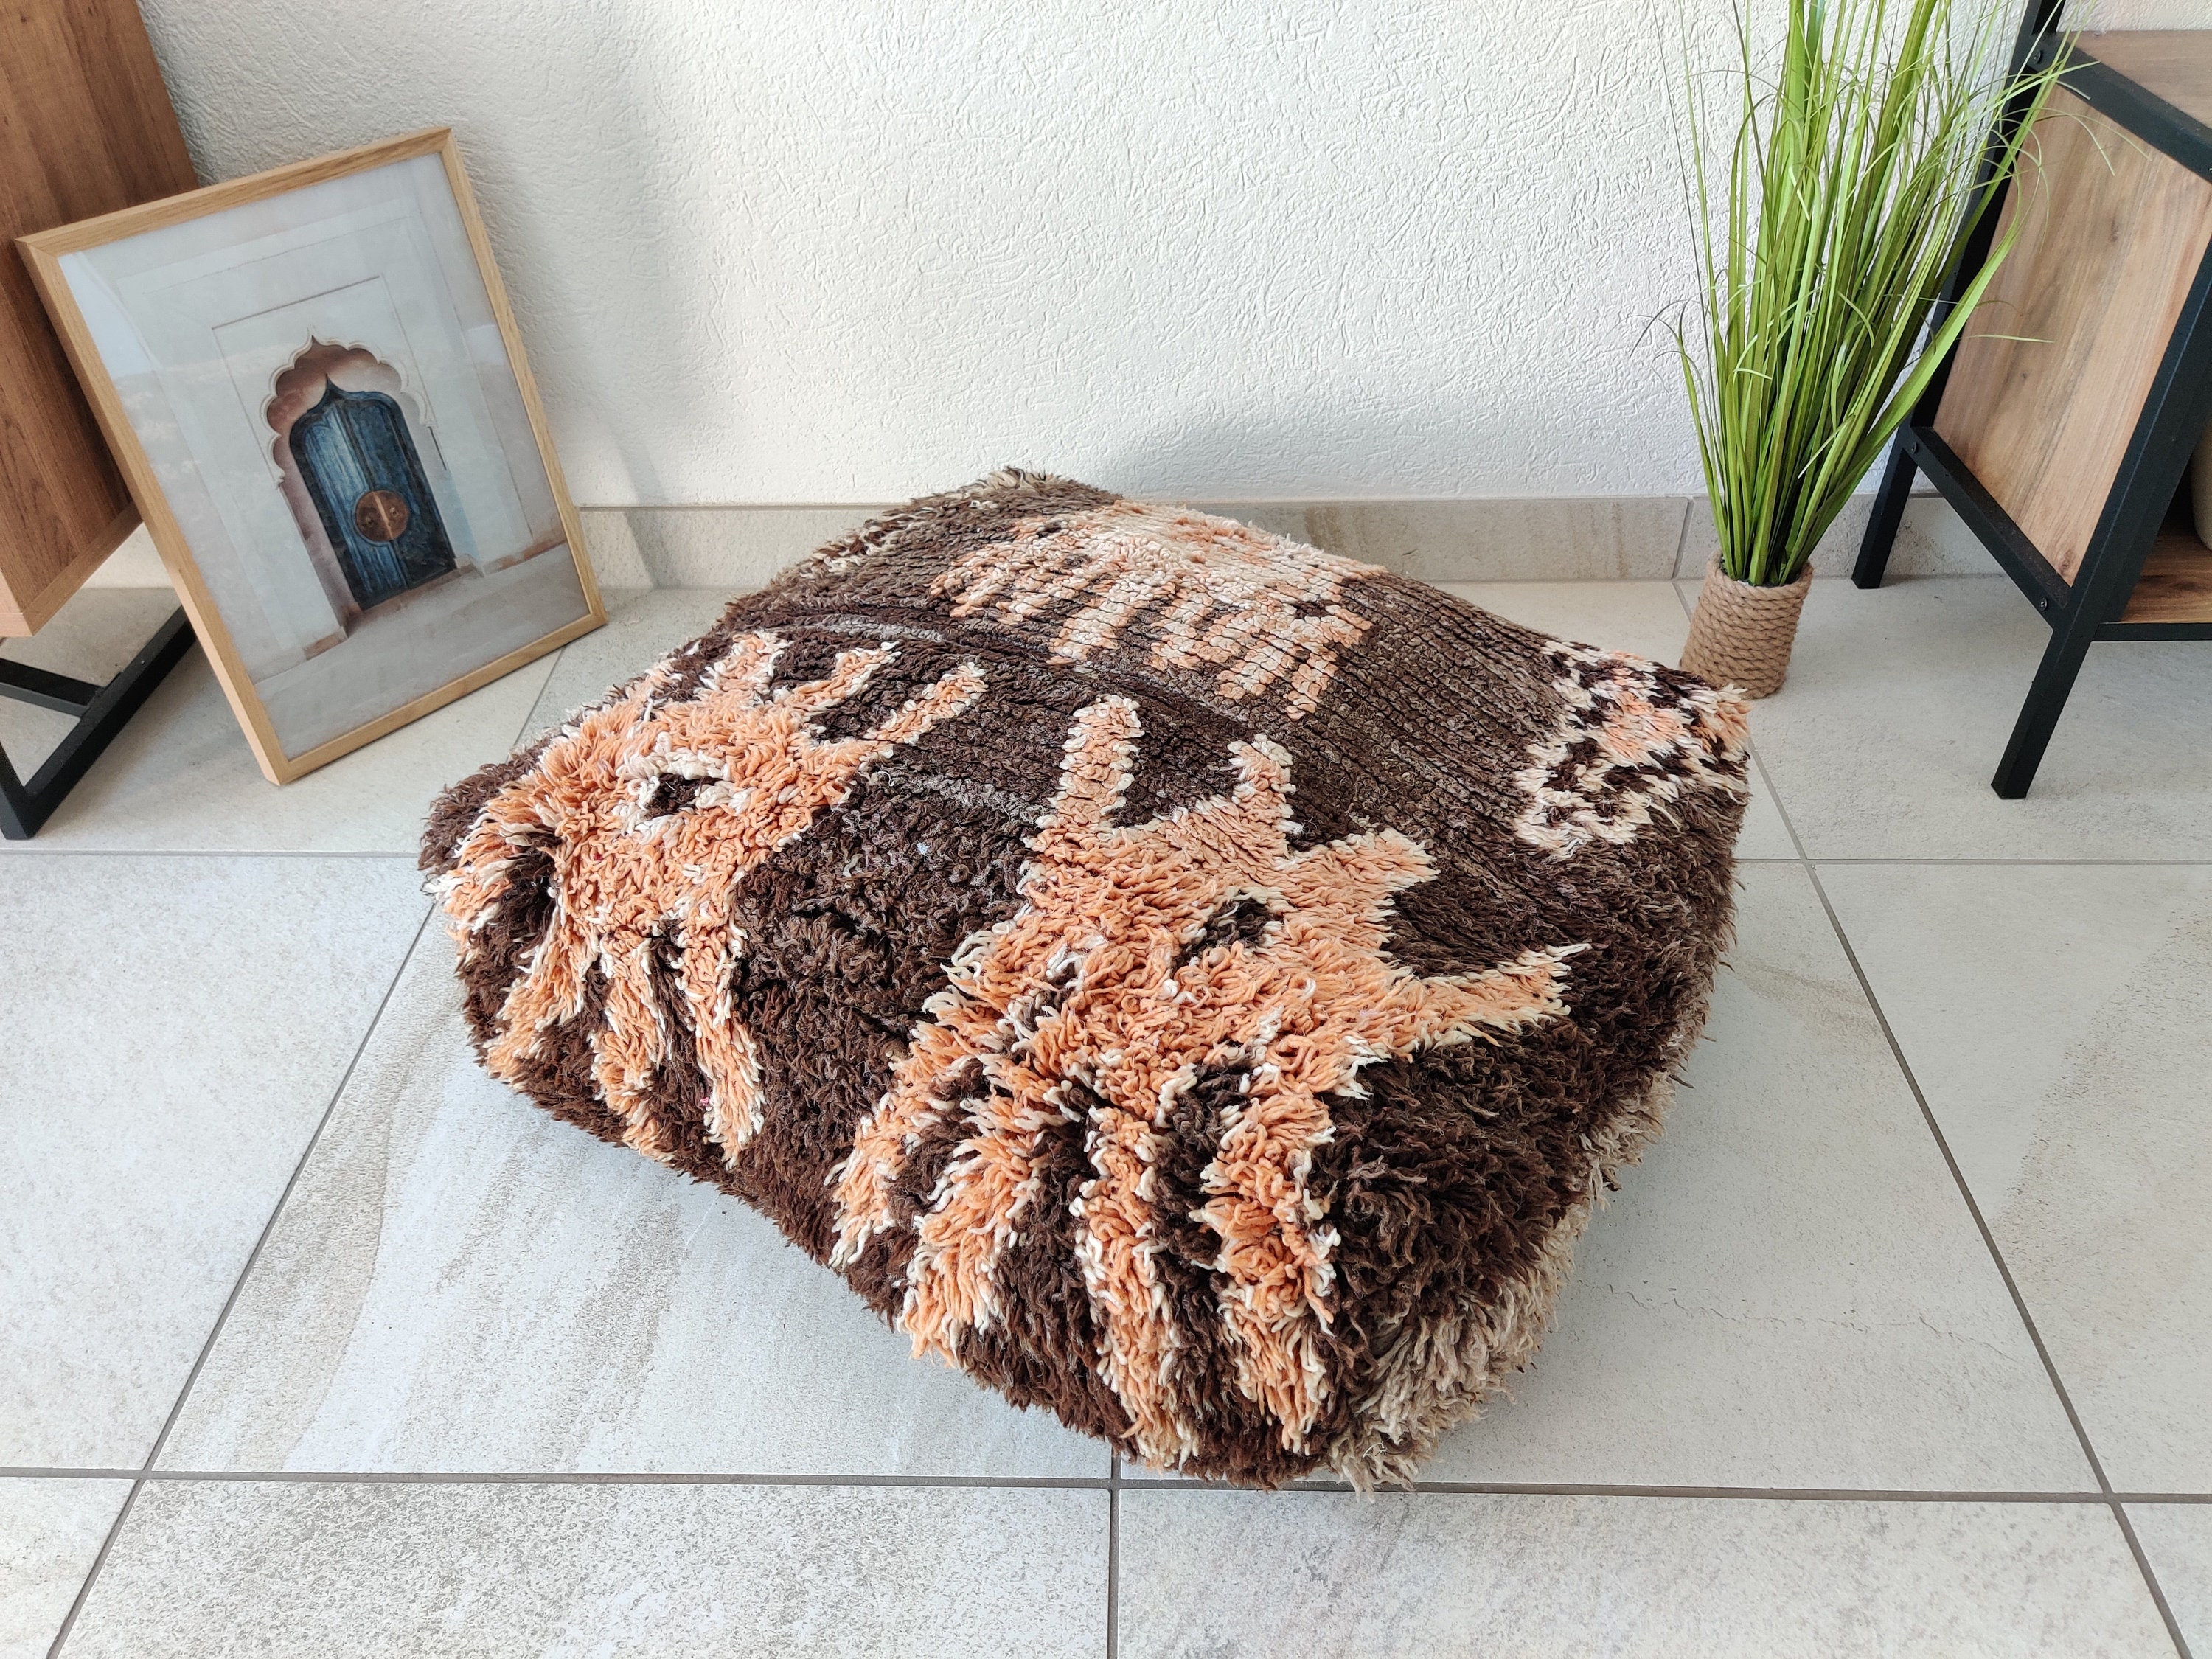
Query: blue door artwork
[[359, 462]]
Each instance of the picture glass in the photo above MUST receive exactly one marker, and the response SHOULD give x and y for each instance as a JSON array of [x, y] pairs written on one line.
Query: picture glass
[[320, 385]]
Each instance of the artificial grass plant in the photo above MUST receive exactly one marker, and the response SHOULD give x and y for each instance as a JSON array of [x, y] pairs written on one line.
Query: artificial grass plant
[[1857, 164]]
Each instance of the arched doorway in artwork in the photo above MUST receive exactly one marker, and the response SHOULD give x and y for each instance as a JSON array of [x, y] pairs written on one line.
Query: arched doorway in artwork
[[351, 470], [359, 462]]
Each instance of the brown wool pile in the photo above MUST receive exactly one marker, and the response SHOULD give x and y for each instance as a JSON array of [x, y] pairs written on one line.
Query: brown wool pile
[[1192, 983]]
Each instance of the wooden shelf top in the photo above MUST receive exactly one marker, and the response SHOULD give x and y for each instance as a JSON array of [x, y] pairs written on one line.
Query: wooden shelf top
[[2175, 64], [2176, 585]]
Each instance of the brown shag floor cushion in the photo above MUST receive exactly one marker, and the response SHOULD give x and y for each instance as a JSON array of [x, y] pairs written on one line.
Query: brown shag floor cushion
[[1192, 983]]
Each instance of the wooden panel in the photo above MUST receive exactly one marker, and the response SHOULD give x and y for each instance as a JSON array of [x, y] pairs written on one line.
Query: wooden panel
[[85, 128], [2113, 234], [2176, 585], [2175, 64]]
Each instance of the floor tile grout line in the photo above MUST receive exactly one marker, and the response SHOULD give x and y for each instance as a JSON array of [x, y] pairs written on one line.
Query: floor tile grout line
[[1935, 1129], [214, 1332], [1981, 1223], [99, 1560], [2038, 863], [1113, 1556], [25, 849], [2004, 1272], [275, 1214], [574, 1478], [1703, 1494], [530, 714], [1095, 1483], [2150, 1578], [1973, 1208]]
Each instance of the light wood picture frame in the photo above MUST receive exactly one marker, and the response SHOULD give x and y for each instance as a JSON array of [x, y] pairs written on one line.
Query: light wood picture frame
[[314, 385]]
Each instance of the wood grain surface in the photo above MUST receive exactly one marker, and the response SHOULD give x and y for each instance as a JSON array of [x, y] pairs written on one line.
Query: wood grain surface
[[2176, 584], [2052, 378], [85, 128], [2175, 64]]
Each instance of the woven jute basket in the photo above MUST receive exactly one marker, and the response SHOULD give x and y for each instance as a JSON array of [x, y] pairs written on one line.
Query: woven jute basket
[[1741, 634]]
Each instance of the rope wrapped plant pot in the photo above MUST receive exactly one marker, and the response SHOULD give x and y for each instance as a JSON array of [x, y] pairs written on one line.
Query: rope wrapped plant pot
[[1741, 633], [1195, 984]]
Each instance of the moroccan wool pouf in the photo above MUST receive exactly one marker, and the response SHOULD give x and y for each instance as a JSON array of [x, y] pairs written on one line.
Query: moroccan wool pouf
[[1192, 983]]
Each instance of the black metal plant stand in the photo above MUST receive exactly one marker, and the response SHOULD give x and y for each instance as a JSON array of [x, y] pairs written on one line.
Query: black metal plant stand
[[2096, 603], [101, 712]]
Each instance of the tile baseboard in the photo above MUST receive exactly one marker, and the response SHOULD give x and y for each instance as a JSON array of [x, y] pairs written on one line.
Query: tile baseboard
[[1474, 540], [1533, 539], [1470, 540]]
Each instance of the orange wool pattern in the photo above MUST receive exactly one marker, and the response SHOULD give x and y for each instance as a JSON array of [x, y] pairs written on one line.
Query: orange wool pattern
[[1257, 606], [1104, 977], [1198, 987], [630, 872]]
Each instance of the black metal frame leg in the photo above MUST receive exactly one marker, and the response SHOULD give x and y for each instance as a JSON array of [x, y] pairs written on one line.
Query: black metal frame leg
[[101, 712], [1889, 515], [2046, 701]]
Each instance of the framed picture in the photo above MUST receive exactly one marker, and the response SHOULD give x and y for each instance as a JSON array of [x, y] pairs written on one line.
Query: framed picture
[[313, 384]]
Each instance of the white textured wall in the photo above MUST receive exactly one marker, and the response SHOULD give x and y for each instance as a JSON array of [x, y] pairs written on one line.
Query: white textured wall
[[826, 250]]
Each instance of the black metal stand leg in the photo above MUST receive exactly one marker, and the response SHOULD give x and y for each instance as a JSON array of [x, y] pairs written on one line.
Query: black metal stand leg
[[101, 712], [2046, 701], [1888, 513]]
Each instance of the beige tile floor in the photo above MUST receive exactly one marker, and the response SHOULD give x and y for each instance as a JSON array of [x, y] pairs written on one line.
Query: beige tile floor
[[315, 1341]]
